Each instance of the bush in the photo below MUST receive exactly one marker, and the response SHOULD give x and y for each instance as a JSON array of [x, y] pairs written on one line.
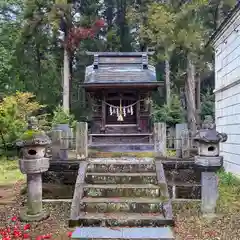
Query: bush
[[14, 111], [62, 117]]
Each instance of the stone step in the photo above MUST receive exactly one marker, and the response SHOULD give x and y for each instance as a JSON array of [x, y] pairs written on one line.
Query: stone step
[[122, 174], [120, 219], [121, 179], [144, 147], [161, 233], [116, 168], [121, 161], [122, 192], [121, 200], [121, 186]]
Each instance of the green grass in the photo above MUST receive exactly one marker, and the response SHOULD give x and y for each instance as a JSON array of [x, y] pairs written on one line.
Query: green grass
[[9, 172], [229, 192]]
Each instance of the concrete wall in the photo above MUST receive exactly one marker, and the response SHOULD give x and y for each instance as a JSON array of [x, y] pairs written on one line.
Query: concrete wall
[[227, 92]]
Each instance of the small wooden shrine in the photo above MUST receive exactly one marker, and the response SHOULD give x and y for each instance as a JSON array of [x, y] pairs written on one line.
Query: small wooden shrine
[[119, 87]]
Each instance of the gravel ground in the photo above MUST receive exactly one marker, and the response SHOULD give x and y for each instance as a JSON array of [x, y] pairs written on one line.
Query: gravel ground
[[189, 224]]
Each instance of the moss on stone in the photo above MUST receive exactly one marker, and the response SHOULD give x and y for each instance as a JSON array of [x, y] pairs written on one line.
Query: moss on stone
[[30, 134]]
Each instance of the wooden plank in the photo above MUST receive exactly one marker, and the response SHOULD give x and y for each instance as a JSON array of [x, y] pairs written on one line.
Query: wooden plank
[[164, 233], [119, 186], [78, 192]]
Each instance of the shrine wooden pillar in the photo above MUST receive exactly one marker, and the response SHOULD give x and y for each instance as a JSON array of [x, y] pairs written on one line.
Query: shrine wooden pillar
[[103, 112]]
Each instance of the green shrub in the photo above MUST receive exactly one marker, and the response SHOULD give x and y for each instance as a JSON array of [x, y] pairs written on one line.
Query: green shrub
[[62, 117], [14, 111]]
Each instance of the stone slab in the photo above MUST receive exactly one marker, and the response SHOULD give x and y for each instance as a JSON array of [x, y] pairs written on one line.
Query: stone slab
[[162, 233]]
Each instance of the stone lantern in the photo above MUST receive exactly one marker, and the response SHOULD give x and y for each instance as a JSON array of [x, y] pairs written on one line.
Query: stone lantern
[[33, 163], [208, 140], [209, 161]]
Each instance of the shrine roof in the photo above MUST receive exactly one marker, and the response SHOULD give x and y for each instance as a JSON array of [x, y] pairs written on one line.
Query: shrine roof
[[117, 68]]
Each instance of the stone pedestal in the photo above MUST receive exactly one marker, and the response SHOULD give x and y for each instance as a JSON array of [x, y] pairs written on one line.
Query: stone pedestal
[[34, 169], [34, 210], [209, 193]]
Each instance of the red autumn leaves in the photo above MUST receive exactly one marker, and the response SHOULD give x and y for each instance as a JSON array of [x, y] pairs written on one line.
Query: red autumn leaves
[[76, 34], [15, 231]]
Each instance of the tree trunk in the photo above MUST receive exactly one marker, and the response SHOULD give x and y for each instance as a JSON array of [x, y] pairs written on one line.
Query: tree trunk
[[167, 82], [190, 95], [66, 77], [198, 98], [220, 15]]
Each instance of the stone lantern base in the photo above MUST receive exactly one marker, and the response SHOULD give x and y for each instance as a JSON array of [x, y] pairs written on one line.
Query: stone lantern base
[[26, 217], [209, 163]]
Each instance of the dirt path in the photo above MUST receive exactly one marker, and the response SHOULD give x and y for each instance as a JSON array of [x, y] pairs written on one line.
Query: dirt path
[[7, 194]]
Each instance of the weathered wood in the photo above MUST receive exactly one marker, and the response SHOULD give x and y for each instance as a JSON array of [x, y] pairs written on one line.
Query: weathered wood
[[185, 144], [209, 192], [78, 192], [82, 140], [160, 139], [56, 137], [179, 129]]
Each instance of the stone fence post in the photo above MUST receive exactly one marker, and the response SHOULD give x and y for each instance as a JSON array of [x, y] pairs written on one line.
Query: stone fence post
[[179, 129], [82, 140], [160, 139], [185, 144]]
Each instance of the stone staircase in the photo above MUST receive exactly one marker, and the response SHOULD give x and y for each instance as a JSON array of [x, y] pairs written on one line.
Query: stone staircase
[[121, 198]]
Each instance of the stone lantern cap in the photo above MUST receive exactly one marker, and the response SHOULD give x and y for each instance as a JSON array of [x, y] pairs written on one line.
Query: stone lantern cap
[[210, 136], [208, 133], [33, 136]]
